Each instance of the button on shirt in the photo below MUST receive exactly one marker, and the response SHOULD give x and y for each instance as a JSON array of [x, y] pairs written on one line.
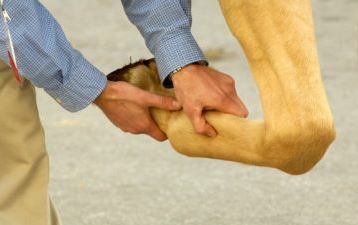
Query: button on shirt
[[47, 59]]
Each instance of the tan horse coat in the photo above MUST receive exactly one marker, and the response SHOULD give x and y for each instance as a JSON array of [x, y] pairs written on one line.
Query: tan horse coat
[[279, 41]]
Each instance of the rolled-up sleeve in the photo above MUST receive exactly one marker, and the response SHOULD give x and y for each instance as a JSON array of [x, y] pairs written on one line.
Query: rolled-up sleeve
[[47, 59], [165, 26]]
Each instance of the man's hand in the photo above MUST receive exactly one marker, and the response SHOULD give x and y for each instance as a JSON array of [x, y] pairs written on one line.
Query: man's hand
[[127, 107], [200, 88]]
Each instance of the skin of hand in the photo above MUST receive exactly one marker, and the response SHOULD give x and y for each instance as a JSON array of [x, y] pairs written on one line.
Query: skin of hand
[[127, 107], [199, 88]]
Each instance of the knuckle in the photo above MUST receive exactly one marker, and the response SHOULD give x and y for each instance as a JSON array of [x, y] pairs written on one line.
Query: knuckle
[[140, 129], [125, 130], [230, 92], [135, 131], [228, 79], [230, 85], [231, 81]]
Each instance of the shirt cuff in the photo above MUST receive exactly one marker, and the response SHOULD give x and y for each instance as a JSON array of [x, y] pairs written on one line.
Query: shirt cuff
[[85, 84], [176, 52]]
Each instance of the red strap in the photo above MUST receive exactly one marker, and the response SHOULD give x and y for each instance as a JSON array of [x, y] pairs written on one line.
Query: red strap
[[14, 68]]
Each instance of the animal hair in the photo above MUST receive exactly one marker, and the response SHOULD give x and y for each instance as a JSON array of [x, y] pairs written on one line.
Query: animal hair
[[278, 40]]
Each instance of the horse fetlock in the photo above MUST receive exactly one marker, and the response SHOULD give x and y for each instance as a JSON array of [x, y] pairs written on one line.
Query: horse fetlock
[[296, 149]]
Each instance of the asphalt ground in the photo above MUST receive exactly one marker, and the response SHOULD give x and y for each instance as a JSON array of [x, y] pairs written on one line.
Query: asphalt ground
[[100, 175]]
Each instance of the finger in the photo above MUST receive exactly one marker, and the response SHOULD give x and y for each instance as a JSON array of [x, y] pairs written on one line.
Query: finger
[[200, 124], [155, 132], [234, 106], [244, 110], [161, 102]]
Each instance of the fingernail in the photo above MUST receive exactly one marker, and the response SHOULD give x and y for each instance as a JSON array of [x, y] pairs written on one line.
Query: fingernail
[[212, 133], [176, 105]]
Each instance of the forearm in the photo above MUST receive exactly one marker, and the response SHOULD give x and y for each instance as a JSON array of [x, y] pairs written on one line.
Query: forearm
[[46, 58], [166, 25]]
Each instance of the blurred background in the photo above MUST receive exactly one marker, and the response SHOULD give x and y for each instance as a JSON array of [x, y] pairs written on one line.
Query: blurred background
[[100, 175]]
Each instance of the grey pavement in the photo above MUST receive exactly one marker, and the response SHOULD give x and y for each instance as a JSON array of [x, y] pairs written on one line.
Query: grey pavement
[[101, 176]]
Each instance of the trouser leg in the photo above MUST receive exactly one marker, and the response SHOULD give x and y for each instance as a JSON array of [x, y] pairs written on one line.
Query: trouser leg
[[24, 164]]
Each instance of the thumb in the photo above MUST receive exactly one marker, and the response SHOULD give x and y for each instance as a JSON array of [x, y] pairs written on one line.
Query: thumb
[[162, 102], [234, 106]]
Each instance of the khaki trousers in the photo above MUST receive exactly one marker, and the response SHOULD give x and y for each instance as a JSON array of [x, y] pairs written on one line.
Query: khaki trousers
[[24, 164]]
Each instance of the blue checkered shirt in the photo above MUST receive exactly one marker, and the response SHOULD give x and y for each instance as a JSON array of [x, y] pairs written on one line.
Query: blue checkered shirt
[[47, 59]]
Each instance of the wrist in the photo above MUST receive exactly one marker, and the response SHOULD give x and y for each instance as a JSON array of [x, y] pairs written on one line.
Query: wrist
[[108, 93], [184, 69]]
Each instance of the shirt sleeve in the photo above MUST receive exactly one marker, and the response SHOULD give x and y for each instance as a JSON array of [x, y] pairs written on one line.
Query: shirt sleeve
[[47, 59], [166, 28]]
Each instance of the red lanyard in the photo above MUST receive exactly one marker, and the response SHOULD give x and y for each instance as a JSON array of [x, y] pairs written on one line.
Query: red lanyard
[[10, 46]]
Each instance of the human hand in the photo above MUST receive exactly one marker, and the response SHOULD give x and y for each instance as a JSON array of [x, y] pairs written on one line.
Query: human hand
[[199, 88], [127, 107]]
